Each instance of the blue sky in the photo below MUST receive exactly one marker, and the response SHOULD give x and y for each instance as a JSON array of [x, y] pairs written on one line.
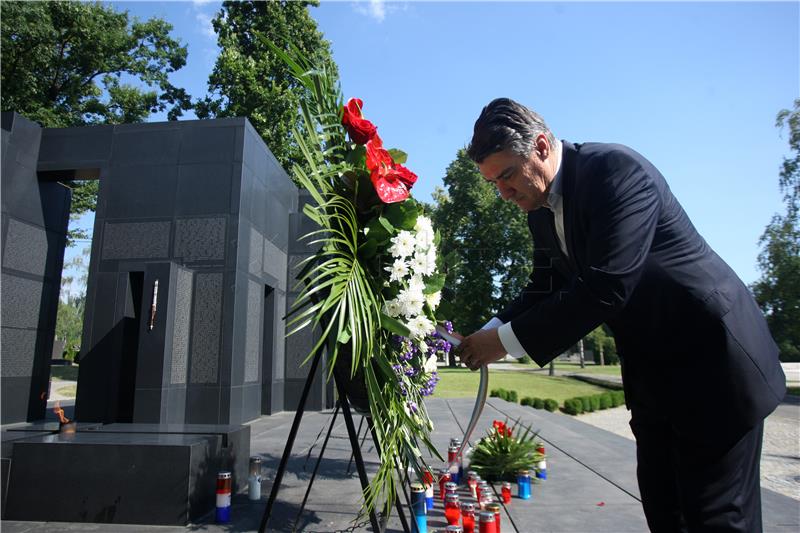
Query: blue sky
[[694, 87]]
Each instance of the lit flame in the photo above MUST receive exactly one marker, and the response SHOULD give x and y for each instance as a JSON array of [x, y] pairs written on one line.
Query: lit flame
[[60, 413]]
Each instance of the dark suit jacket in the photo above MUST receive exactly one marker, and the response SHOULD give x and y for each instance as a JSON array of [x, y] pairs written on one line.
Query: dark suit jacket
[[694, 345]]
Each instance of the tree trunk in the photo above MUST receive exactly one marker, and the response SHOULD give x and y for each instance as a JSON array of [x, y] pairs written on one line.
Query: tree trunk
[[580, 350], [552, 368], [602, 360]]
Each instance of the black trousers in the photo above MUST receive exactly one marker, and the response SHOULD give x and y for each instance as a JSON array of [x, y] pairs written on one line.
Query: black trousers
[[686, 489]]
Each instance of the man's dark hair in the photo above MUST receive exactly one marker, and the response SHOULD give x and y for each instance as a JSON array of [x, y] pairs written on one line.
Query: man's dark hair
[[505, 124]]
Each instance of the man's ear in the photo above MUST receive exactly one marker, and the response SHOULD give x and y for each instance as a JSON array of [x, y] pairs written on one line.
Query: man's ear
[[542, 146]]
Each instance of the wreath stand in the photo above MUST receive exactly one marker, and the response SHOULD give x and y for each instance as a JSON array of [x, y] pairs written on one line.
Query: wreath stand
[[343, 404]]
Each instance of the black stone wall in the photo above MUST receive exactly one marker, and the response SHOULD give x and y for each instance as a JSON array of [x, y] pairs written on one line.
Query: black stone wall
[[203, 208], [34, 223]]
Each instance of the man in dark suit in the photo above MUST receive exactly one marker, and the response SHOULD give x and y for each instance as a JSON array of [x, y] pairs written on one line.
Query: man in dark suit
[[612, 245]]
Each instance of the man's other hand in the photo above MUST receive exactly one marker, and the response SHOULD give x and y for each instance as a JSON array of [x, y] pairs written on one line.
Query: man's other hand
[[481, 348]]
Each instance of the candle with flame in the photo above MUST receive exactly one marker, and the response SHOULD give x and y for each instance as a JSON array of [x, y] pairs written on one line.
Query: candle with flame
[[64, 423]]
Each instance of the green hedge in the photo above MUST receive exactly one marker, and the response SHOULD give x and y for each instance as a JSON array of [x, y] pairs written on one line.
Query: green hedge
[[589, 404], [573, 406], [527, 401], [605, 400], [503, 394], [550, 404], [498, 393], [536, 403], [586, 404]]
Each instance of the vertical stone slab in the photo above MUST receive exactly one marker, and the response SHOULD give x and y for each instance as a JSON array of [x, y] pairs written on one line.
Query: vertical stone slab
[[34, 224]]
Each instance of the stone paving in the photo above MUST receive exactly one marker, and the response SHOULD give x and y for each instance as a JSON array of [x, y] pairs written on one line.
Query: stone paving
[[591, 484]]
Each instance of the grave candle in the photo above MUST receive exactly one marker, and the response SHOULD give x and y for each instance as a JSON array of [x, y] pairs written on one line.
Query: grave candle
[[487, 524], [495, 508], [418, 507], [223, 509], [524, 484], [506, 491], [468, 517], [444, 478], [452, 509]]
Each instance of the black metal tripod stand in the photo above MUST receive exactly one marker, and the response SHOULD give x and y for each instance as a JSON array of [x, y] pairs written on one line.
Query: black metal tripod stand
[[344, 405]]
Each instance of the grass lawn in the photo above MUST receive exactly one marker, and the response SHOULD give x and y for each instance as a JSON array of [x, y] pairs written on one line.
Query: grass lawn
[[463, 383], [589, 368], [609, 370], [64, 373], [68, 391]]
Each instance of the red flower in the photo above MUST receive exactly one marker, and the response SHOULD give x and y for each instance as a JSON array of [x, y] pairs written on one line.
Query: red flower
[[360, 129], [501, 428], [391, 181]]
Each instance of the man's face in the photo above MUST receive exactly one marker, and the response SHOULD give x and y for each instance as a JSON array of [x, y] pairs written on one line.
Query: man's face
[[524, 181]]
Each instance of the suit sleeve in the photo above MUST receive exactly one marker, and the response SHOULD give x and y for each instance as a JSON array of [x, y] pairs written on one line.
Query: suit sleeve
[[619, 213]]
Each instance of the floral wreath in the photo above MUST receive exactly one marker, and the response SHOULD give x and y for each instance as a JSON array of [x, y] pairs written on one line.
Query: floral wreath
[[373, 286]]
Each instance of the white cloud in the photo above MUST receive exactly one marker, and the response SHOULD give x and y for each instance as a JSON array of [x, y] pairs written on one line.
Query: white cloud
[[205, 25], [372, 8]]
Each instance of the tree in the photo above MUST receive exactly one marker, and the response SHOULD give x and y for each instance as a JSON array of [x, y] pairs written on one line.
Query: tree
[[778, 290], [485, 242], [71, 305], [249, 80], [601, 342], [63, 64]]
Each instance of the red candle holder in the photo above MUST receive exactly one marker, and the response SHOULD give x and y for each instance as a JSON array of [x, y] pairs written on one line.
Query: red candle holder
[[506, 491], [452, 510]]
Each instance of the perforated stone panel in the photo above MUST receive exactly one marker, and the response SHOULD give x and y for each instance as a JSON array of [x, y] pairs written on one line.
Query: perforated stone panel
[[21, 302], [298, 346], [275, 261], [279, 335], [136, 240], [200, 239], [206, 323], [26, 248], [255, 265], [18, 349], [294, 268], [252, 340], [180, 336]]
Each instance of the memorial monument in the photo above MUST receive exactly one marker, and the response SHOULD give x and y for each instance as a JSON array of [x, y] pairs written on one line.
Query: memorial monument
[[195, 240]]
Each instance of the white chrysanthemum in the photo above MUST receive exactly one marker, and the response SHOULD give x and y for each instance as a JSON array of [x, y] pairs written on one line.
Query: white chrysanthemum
[[434, 299], [423, 346], [402, 244], [411, 302], [398, 270], [416, 284], [423, 224], [420, 326], [430, 364], [431, 255], [421, 264], [423, 240], [392, 308], [424, 234]]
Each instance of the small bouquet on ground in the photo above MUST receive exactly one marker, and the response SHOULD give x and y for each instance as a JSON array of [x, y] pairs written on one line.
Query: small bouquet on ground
[[504, 451], [374, 285]]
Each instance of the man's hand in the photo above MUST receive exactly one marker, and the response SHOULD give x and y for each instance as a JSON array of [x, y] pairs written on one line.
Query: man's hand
[[481, 348]]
